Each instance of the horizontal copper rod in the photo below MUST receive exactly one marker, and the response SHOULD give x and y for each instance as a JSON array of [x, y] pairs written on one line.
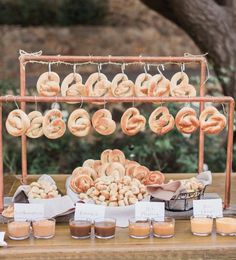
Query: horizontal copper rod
[[58, 58], [32, 99]]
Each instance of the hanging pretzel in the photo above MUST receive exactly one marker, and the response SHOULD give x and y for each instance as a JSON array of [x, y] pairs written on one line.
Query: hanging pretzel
[[97, 85], [36, 124], [121, 86], [53, 125], [186, 120], [17, 122], [182, 89], [159, 86], [132, 122], [79, 122], [48, 84], [141, 84], [103, 123], [161, 121], [212, 121], [72, 86]]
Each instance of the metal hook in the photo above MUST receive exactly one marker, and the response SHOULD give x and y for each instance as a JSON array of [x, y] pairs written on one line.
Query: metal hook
[[224, 111], [159, 71], [182, 67], [15, 99], [49, 67], [123, 68], [82, 102], [74, 69], [145, 69]]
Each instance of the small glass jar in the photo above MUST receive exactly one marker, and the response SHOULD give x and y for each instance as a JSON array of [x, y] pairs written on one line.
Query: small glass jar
[[105, 228], [226, 226], [18, 230], [201, 226], [139, 228], [44, 228], [80, 229], [164, 229]]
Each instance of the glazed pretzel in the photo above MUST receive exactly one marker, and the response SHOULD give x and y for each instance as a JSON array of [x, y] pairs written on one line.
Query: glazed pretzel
[[36, 125], [79, 122], [141, 84], [140, 172], [154, 177], [72, 86], [183, 89], [17, 122], [212, 121], [161, 121], [97, 85], [121, 86], [48, 84], [53, 125], [81, 183], [186, 120], [159, 86], [103, 123], [132, 122], [116, 155]]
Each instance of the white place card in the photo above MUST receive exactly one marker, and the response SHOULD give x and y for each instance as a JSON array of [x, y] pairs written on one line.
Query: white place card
[[25, 211], [2, 242], [150, 210], [89, 211], [208, 208]]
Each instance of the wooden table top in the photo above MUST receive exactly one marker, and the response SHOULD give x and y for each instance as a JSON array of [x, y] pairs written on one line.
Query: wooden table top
[[183, 246]]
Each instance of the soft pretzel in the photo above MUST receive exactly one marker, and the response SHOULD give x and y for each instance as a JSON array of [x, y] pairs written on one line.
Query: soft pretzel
[[186, 120], [72, 86], [132, 122], [129, 168], [81, 183], [154, 177], [17, 122], [113, 169], [103, 123], [94, 164], [36, 124], [161, 121], [141, 84], [182, 89], [48, 84], [97, 85], [121, 86], [115, 155], [159, 86], [212, 121], [53, 125], [85, 171], [79, 122], [140, 172]]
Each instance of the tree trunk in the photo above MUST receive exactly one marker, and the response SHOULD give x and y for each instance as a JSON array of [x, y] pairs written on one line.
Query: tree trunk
[[211, 25]]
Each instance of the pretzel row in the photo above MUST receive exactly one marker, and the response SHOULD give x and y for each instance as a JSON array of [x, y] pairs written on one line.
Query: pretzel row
[[97, 85], [52, 125]]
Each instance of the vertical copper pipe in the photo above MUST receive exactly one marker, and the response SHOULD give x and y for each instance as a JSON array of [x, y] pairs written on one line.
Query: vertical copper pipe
[[229, 154], [1, 164], [23, 138], [201, 133]]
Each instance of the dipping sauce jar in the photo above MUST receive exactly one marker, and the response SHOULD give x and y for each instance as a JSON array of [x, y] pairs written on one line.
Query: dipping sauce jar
[[80, 229], [201, 226], [226, 226], [44, 228], [164, 229], [18, 230], [139, 228], [105, 228]]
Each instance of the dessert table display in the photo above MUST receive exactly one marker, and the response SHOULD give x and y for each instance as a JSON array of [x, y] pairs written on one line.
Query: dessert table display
[[107, 193]]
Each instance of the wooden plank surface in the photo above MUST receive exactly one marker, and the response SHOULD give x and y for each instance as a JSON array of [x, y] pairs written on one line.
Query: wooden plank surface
[[183, 246]]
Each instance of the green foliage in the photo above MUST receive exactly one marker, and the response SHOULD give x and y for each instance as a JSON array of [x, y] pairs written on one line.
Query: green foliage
[[52, 12]]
